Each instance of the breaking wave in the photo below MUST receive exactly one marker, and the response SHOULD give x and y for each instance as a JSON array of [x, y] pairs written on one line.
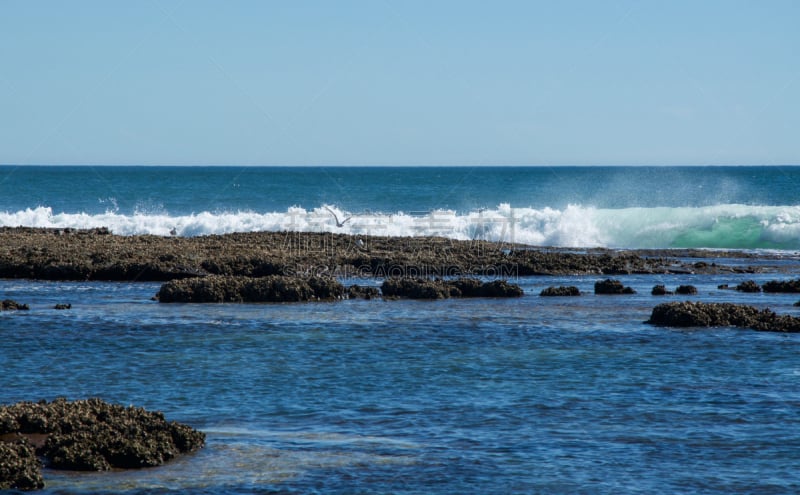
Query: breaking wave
[[728, 226]]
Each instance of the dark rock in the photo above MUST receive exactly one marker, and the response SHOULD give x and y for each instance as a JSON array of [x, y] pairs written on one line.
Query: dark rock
[[9, 305], [686, 290], [99, 255], [469, 287], [610, 286], [660, 290], [697, 314], [273, 288], [359, 292], [789, 286], [20, 469], [63, 306], [420, 288], [748, 286], [97, 436], [723, 287], [560, 291], [415, 288]]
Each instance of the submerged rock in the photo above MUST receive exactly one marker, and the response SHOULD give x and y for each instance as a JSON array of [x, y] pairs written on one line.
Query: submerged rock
[[421, 288], [92, 435], [562, 290], [9, 305], [610, 286], [697, 314], [273, 288], [686, 290]]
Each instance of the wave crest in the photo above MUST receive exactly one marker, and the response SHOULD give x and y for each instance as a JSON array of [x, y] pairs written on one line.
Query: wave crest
[[730, 226]]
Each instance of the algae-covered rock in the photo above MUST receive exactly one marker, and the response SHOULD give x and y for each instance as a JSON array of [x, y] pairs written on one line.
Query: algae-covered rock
[[570, 290], [20, 469], [610, 286], [787, 286], [697, 314], [660, 290], [9, 305], [359, 292], [748, 286], [422, 288], [95, 435], [273, 288]]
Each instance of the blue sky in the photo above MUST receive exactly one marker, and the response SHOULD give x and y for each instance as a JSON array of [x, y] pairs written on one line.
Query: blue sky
[[400, 82]]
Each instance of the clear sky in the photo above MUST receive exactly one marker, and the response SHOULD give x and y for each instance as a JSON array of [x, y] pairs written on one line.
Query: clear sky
[[386, 82]]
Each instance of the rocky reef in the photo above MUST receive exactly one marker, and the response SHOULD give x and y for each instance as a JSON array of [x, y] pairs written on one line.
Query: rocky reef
[[85, 435], [748, 286], [699, 314], [420, 288], [272, 288], [660, 290], [9, 305], [562, 290], [787, 286], [97, 254], [610, 286], [20, 469], [360, 292]]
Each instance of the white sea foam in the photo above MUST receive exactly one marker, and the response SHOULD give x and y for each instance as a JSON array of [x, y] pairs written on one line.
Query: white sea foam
[[730, 226]]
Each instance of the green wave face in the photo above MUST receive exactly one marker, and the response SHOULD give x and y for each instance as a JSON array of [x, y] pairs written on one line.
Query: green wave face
[[729, 233]]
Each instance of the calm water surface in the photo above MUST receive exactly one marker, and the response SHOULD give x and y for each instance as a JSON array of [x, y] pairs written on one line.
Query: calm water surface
[[534, 395]]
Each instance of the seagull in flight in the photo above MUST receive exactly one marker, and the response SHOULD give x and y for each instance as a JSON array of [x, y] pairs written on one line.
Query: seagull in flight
[[338, 223]]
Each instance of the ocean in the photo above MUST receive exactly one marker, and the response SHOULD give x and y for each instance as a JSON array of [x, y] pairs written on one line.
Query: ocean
[[528, 395], [616, 207]]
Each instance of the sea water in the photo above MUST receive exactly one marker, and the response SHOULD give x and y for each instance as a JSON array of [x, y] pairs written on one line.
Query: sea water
[[617, 207], [528, 395]]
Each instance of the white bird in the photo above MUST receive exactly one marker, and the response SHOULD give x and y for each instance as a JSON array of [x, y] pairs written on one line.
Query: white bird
[[338, 223]]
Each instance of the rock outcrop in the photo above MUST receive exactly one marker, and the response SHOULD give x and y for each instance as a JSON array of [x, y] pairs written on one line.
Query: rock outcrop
[[788, 286], [610, 286], [97, 254], [360, 292], [698, 314], [9, 305], [420, 288], [86, 435], [748, 286], [272, 288], [562, 290], [20, 469]]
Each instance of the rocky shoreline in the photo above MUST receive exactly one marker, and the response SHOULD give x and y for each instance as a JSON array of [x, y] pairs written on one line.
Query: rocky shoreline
[[699, 314], [97, 254], [85, 435]]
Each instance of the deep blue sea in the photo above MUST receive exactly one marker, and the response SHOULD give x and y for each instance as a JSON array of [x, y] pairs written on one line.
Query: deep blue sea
[[530, 395]]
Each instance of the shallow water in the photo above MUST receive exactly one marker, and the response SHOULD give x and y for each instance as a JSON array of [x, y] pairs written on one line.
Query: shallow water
[[531, 395]]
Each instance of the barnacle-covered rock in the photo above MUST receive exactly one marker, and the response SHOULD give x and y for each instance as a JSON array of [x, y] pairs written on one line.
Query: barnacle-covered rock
[[89, 435]]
